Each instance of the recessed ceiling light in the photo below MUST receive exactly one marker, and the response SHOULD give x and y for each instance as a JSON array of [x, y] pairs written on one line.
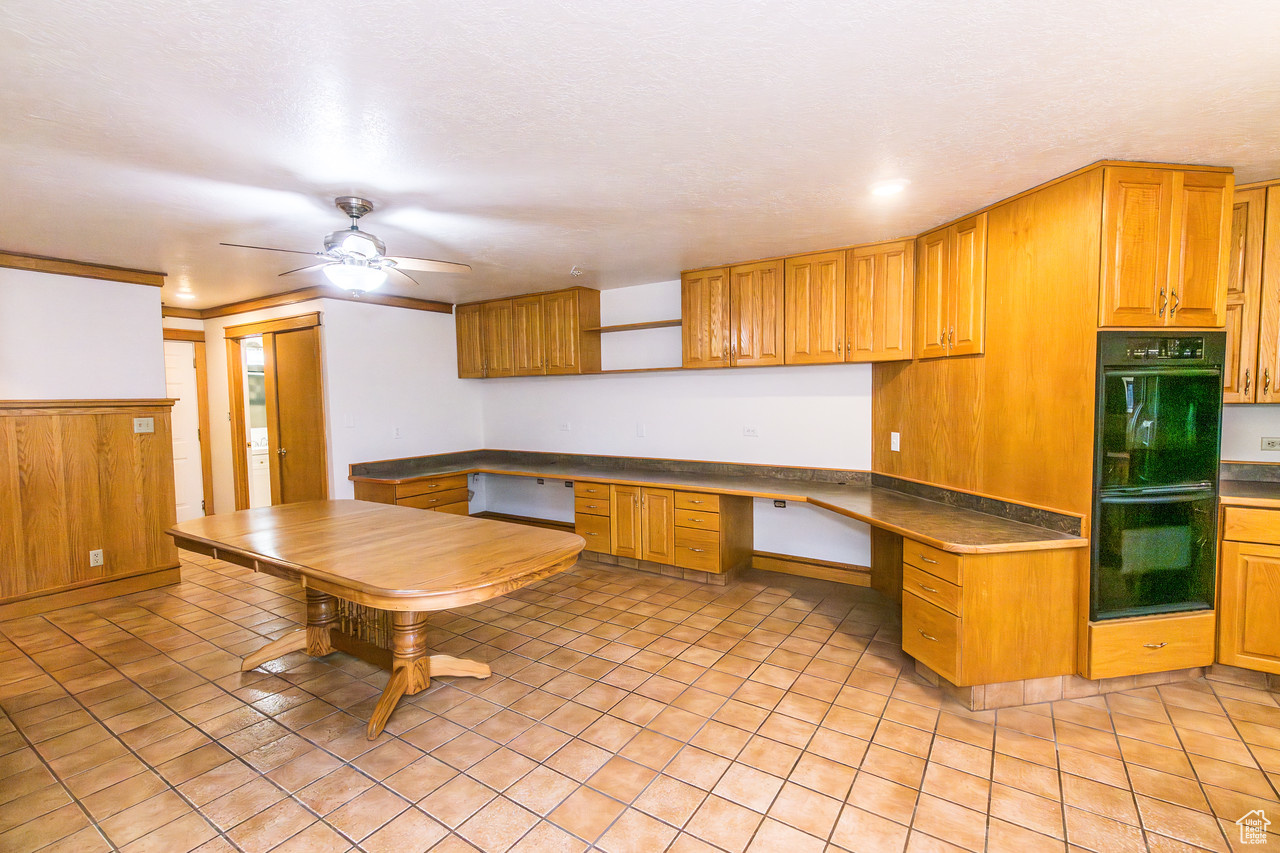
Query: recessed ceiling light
[[185, 294], [890, 187]]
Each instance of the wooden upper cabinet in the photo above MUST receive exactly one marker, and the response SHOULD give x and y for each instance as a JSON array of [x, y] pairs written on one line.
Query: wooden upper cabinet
[[756, 314], [704, 313], [813, 296], [879, 292], [951, 286], [1243, 295], [495, 320], [526, 336], [470, 341], [568, 346], [1269, 325], [1164, 236]]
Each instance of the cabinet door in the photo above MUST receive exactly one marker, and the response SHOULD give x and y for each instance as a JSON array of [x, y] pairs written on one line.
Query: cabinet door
[[495, 318], [561, 332], [932, 262], [755, 314], [658, 526], [879, 291], [813, 296], [1244, 289], [527, 336], [967, 286], [470, 341], [1249, 606], [624, 521], [1200, 235], [1137, 208], [1269, 327], [704, 312]]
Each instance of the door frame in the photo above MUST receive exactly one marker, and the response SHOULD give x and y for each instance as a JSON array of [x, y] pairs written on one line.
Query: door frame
[[235, 389], [202, 407]]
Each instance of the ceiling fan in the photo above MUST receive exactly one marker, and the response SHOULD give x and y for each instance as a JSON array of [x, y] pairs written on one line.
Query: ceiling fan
[[356, 260]]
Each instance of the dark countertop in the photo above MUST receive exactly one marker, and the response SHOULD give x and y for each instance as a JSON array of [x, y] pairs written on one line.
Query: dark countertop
[[950, 528], [1259, 493]]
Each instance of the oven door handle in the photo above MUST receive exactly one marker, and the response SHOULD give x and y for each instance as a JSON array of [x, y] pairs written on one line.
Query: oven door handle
[[1160, 498]]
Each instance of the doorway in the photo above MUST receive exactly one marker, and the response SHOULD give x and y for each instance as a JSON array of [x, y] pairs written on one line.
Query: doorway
[[277, 411], [184, 375]]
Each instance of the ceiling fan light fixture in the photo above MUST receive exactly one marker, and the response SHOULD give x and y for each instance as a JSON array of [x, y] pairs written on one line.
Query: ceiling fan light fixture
[[355, 275]]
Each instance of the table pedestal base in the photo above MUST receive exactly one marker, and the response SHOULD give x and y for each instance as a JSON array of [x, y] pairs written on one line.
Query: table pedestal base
[[411, 666]]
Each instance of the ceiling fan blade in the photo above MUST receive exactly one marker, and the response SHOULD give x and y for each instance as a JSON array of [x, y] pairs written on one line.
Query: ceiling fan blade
[[308, 267], [425, 265], [268, 249]]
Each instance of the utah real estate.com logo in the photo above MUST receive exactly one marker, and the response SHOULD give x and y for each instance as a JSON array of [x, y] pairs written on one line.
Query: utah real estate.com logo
[[1253, 827]]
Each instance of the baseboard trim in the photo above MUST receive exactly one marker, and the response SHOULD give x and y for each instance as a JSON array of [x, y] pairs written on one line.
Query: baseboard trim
[[807, 567], [34, 605], [566, 526]]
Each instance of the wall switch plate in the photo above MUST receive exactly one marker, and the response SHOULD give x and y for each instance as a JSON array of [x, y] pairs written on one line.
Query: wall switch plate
[[95, 558], [750, 432], [142, 425], [639, 430], [780, 504], [1271, 443], [895, 441], [396, 432], [566, 426]]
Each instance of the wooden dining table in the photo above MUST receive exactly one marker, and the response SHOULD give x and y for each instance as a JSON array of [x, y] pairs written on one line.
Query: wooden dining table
[[372, 572]]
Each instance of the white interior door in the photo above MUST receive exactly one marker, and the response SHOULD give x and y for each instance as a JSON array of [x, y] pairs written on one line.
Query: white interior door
[[180, 380]]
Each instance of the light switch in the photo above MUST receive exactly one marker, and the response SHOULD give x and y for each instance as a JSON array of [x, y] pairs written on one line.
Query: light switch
[[895, 441]]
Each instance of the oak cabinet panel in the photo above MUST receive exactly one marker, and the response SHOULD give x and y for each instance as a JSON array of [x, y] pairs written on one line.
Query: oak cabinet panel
[[596, 530], [1269, 324], [495, 324], [814, 315], [1164, 234], [657, 525], [1249, 589], [756, 322], [1244, 295], [526, 336], [951, 284], [879, 294], [625, 522], [704, 312], [470, 341], [1121, 647], [568, 346]]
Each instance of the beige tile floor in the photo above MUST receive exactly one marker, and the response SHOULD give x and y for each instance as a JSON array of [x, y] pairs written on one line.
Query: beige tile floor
[[627, 712]]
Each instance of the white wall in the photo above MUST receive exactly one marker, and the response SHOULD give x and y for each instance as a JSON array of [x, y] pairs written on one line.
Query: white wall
[[1243, 428], [67, 338]]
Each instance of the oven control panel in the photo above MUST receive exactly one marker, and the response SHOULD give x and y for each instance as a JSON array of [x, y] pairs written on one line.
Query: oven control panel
[[1165, 349]]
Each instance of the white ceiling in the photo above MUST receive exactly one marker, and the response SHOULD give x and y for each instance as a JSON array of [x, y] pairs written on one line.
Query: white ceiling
[[632, 139]]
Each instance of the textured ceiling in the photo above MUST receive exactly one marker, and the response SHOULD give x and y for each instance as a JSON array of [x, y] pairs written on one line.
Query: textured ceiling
[[630, 139]]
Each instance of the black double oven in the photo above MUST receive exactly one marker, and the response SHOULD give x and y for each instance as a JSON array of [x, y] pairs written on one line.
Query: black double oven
[[1155, 491]]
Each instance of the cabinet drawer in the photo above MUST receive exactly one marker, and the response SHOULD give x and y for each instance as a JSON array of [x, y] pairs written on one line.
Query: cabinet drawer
[[434, 484], [931, 635], [697, 549], [697, 519], [431, 500], [1240, 524], [454, 509], [592, 505], [939, 563], [594, 529], [590, 490], [698, 501], [1150, 644], [932, 589]]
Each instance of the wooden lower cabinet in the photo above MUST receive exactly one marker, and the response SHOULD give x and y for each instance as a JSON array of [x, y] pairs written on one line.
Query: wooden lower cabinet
[[692, 530], [1119, 647], [987, 618], [592, 514], [1249, 589], [445, 493], [658, 526]]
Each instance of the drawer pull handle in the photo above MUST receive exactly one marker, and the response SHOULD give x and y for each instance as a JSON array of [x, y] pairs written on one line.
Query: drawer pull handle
[[697, 550], [593, 534], [1154, 645], [697, 502], [926, 588], [696, 520], [927, 636], [927, 560], [433, 486]]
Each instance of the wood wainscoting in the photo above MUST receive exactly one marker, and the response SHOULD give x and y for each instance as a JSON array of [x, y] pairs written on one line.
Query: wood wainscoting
[[75, 477]]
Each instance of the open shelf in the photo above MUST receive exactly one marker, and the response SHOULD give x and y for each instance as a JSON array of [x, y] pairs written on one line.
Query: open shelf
[[633, 327]]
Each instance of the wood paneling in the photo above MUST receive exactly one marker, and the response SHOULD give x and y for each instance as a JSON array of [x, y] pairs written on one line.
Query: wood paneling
[[1269, 326], [704, 311], [75, 481], [193, 335], [1244, 295], [814, 301], [58, 266], [526, 336], [879, 294], [470, 342], [756, 320], [807, 567]]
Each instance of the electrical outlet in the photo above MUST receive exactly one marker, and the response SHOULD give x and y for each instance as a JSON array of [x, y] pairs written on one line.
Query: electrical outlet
[[1271, 444], [396, 432], [750, 432], [895, 441], [95, 558], [565, 426], [142, 425]]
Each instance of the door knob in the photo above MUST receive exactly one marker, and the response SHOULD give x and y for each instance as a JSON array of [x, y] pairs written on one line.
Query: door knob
[[281, 451]]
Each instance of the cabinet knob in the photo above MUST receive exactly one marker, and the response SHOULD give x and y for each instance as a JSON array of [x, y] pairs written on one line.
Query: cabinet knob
[[928, 637], [1154, 645]]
